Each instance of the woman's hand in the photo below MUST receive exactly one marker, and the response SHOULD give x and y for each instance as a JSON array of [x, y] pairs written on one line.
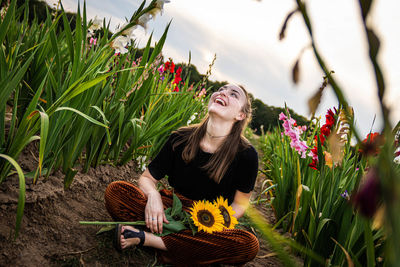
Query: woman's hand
[[240, 203], [154, 212]]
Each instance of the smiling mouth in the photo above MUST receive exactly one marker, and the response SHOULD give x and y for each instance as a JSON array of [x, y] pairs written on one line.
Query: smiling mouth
[[220, 101]]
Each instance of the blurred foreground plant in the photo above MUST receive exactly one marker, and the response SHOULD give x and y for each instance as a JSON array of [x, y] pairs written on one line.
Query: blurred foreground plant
[[318, 212]]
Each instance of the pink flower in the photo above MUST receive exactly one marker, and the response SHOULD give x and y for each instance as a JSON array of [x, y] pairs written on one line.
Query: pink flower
[[294, 134], [161, 69], [202, 93]]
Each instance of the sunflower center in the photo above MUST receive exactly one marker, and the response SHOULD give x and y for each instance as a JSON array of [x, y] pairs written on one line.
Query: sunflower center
[[206, 218], [225, 214]]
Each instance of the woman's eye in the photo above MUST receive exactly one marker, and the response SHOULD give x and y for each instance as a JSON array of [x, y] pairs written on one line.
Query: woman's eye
[[234, 95]]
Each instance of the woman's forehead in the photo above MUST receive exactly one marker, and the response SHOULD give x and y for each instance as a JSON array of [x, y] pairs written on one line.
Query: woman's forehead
[[236, 88]]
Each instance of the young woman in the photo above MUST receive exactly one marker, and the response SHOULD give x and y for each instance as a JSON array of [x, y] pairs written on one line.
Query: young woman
[[202, 161]]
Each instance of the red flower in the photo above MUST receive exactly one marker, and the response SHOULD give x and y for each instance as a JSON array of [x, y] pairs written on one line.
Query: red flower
[[169, 65], [177, 79], [370, 145], [313, 165], [179, 71], [166, 65], [178, 76], [325, 130], [176, 89]]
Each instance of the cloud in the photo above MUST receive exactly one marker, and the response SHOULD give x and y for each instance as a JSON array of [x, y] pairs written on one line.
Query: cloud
[[243, 34]]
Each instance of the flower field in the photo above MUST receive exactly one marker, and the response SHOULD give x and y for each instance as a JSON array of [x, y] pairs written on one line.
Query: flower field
[[329, 199], [81, 98]]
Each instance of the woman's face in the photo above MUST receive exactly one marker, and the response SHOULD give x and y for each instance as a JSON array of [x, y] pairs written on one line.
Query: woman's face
[[228, 103]]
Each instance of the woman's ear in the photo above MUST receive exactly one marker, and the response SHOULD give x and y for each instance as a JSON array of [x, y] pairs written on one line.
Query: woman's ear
[[241, 116]]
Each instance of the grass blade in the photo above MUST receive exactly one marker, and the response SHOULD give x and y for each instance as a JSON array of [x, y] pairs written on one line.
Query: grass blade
[[21, 197]]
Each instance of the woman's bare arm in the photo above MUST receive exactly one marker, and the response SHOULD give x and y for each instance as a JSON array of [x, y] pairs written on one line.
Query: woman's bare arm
[[240, 203], [154, 211]]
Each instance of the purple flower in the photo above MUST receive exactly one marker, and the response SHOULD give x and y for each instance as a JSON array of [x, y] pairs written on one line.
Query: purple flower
[[345, 195], [368, 196], [161, 69], [282, 116]]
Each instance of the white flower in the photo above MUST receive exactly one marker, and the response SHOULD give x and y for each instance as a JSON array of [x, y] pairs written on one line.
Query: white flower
[[141, 160], [90, 33], [192, 118], [96, 24], [160, 4], [142, 21], [397, 160], [154, 12], [120, 43], [127, 32]]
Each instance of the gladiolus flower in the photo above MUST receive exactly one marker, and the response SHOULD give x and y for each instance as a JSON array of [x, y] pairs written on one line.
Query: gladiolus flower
[[154, 12], [201, 93], [127, 32], [345, 195], [161, 69], [282, 116], [367, 198], [142, 21], [92, 41], [120, 43], [170, 66], [96, 24], [325, 132], [294, 134], [370, 145], [328, 159], [160, 3]]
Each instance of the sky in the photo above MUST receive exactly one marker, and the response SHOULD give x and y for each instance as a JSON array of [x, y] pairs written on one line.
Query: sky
[[244, 36]]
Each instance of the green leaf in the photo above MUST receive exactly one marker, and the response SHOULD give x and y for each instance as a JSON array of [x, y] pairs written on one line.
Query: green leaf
[[176, 206], [172, 227], [44, 129], [21, 197], [7, 20], [83, 115], [69, 177], [106, 228]]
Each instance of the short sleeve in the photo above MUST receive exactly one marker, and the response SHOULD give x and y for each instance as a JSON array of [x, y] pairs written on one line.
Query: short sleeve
[[248, 170], [161, 165]]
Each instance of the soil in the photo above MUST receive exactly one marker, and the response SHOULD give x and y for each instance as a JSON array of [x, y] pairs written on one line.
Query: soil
[[51, 235]]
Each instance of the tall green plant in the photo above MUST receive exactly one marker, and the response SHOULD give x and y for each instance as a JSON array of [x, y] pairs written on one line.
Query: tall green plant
[[84, 102]]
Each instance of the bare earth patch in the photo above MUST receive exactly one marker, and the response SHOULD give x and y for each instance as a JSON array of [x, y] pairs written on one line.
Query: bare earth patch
[[51, 235]]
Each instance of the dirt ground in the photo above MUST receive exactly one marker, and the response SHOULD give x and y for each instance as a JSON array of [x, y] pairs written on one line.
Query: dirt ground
[[51, 235]]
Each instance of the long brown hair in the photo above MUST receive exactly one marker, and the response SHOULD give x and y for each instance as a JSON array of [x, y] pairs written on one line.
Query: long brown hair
[[220, 161]]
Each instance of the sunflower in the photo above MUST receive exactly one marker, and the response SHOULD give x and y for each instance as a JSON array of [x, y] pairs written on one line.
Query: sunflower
[[206, 217], [227, 212]]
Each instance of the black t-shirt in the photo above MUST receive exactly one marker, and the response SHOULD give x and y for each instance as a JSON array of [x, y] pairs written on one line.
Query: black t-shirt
[[193, 182]]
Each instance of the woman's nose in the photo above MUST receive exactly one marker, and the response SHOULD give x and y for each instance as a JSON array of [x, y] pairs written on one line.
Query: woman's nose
[[222, 92]]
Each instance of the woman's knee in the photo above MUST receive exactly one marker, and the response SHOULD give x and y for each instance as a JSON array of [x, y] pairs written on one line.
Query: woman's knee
[[249, 246]]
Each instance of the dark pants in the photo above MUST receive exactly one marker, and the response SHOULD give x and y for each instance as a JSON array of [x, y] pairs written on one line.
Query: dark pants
[[126, 202]]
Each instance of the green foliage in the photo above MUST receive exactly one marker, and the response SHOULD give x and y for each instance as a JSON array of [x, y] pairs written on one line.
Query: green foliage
[[265, 117], [86, 104], [310, 205]]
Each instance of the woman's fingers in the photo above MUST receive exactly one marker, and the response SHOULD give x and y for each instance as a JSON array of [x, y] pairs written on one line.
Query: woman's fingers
[[160, 223], [154, 224], [165, 218]]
